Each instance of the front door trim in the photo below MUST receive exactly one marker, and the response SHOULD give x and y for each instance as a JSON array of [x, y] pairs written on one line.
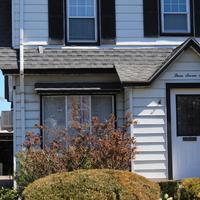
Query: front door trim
[[170, 86]]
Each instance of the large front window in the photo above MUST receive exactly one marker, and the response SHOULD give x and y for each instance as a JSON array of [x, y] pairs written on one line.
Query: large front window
[[63, 111], [175, 16], [81, 20]]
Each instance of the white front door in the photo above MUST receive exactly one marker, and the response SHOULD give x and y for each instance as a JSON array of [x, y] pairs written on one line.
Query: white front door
[[185, 130]]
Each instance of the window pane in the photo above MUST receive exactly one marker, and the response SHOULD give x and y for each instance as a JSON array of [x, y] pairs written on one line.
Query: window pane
[[90, 11], [182, 8], [90, 2], [72, 11], [188, 115], [78, 110], [81, 2], [175, 23], [81, 29], [167, 8], [54, 115], [81, 12], [101, 107], [81, 8], [72, 2], [175, 6]]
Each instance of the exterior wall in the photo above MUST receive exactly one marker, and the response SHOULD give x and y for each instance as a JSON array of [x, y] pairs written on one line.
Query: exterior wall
[[32, 101], [129, 24], [149, 109], [35, 22], [127, 100]]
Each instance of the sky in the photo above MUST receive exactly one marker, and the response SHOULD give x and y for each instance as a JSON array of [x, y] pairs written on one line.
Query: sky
[[4, 105]]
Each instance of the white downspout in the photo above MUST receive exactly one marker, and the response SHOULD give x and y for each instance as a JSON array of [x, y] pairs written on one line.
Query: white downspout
[[131, 126], [22, 70], [14, 126]]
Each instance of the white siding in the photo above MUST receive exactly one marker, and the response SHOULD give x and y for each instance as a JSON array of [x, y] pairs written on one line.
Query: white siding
[[120, 109], [35, 22], [129, 24], [149, 109]]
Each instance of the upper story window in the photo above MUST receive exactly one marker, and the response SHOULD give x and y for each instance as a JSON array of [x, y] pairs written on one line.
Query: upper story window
[[81, 22], [171, 17], [175, 16]]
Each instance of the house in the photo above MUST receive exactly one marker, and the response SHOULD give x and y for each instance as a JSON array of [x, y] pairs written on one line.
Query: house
[[71, 60]]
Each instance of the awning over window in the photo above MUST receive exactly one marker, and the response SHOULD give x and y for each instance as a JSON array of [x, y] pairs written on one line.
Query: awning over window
[[77, 87]]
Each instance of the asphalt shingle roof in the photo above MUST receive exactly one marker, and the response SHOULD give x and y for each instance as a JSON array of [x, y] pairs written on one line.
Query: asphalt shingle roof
[[137, 64], [132, 64], [8, 58]]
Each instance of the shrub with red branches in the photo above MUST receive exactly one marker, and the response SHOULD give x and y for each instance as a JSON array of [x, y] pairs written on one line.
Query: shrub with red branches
[[99, 146]]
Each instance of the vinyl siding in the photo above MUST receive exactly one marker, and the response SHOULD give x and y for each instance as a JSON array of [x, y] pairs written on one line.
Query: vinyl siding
[[151, 131], [129, 25]]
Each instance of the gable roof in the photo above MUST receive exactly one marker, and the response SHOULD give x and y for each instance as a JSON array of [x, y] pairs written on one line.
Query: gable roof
[[134, 66], [189, 43]]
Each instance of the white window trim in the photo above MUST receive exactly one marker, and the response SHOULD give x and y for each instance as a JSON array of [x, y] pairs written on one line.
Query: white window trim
[[95, 19], [186, 13]]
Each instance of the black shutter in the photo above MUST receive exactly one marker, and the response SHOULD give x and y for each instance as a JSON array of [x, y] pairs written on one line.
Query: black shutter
[[150, 17], [197, 17], [56, 19], [108, 24]]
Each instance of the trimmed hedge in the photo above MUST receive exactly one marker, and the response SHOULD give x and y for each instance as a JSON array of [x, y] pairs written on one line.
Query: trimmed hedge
[[92, 184], [190, 189], [171, 188]]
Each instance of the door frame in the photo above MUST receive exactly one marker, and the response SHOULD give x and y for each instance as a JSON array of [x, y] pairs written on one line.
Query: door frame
[[170, 86]]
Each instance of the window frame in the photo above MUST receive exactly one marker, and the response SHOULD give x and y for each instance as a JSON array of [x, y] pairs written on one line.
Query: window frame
[[67, 18], [105, 23], [189, 13], [152, 19]]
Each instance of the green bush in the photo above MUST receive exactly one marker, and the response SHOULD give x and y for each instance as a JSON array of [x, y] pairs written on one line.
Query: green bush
[[190, 189], [8, 194], [92, 185], [171, 188]]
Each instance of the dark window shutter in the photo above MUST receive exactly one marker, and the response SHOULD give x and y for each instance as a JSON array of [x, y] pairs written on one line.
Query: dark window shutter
[[56, 28], [108, 24], [150, 17], [197, 17]]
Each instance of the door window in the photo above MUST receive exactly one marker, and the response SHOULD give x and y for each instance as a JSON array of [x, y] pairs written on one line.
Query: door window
[[188, 115]]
